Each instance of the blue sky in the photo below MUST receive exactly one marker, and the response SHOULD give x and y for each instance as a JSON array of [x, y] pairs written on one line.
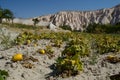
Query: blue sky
[[33, 8]]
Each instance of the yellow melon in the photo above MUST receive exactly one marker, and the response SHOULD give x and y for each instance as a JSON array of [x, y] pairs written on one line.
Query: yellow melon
[[28, 41], [17, 57], [73, 62], [42, 51]]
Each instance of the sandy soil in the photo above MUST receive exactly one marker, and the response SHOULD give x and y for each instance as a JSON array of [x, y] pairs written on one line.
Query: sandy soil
[[40, 69]]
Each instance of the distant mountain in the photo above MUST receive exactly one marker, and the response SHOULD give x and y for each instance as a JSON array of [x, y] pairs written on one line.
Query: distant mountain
[[77, 19]]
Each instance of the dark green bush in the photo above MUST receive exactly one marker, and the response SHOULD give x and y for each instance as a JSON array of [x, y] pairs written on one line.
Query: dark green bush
[[103, 28], [66, 27]]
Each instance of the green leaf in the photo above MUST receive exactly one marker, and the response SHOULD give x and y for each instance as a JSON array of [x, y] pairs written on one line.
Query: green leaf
[[3, 72], [1, 78]]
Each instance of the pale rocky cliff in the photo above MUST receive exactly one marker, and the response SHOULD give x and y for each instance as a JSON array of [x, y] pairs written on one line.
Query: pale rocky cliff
[[76, 19]]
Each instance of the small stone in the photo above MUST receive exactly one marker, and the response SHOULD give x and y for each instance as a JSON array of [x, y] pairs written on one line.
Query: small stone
[[1, 57], [14, 65], [51, 78], [22, 75]]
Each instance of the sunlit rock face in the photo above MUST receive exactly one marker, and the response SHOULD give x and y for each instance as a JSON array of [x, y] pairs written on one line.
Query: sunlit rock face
[[77, 20]]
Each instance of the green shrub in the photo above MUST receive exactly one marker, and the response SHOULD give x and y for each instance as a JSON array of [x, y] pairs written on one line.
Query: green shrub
[[25, 36], [78, 46], [106, 44], [6, 40], [67, 67], [66, 27], [103, 28], [69, 63], [3, 74]]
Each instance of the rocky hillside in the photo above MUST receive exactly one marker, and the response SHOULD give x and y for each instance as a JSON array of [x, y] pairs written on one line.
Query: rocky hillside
[[76, 19]]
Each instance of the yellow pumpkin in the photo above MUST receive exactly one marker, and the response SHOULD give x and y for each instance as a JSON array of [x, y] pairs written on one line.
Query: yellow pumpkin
[[110, 56], [66, 60], [63, 62], [73, 62], [17, 57], [28, 41], [35, 45], [42, 51]]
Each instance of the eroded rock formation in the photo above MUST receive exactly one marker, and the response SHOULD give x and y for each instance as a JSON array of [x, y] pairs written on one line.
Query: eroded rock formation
[[78, 19]]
